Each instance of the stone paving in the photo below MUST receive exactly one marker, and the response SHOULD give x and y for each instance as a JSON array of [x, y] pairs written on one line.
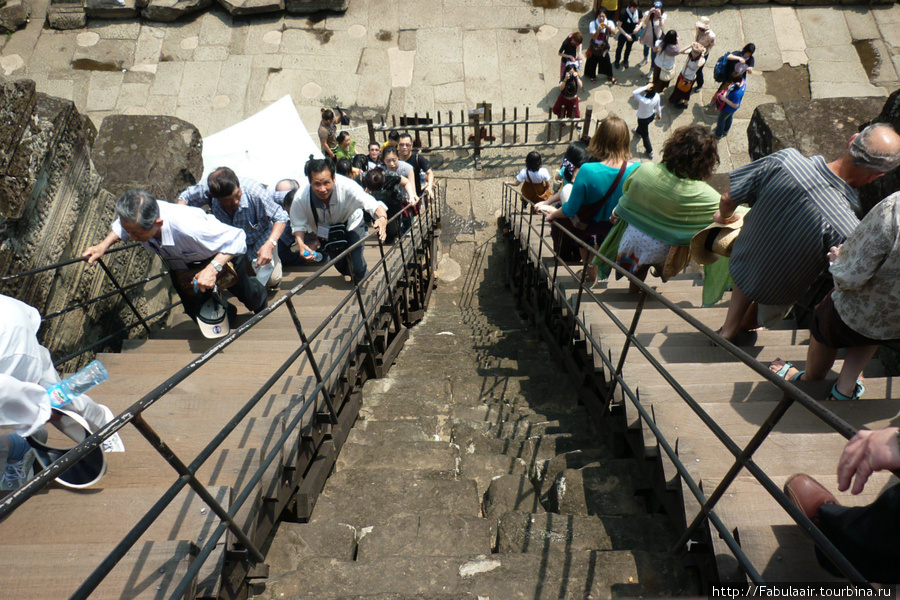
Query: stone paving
[[403, 56]]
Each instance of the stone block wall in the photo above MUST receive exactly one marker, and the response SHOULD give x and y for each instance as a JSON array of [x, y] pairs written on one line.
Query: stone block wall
[[54, 203]]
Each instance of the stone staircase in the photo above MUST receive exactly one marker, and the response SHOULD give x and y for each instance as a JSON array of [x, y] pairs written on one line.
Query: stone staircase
[[472, 472]]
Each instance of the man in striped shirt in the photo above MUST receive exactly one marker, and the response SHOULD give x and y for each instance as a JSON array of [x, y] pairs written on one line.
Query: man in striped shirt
[[801, 207]]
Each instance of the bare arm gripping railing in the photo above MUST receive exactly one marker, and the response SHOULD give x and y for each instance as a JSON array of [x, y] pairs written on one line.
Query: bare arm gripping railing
[[743, 456], [187, 473]]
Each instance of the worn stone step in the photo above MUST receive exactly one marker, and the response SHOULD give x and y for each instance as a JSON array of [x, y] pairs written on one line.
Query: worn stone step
[[576, 459], [371, 431], [426, 535], [510, 492], [437, 457], [540, 532], [294, 543], [483, 468], [525, 428], [613, 338], [603, 488], [499, 412], [368, 497], [466, 387], [533, 450], [573, 576]]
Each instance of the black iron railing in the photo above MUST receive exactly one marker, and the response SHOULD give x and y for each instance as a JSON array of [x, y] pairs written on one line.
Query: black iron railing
[[408, 260], [520, 225], [119, 290]]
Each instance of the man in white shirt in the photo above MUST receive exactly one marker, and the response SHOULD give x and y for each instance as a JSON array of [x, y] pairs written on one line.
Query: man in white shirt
[[27, 370], [186, 238], [333, 199]]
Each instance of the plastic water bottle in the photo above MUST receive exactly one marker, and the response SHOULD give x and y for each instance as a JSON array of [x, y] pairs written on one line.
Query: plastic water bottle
[[78, 383], [316, 256], [264, 272]]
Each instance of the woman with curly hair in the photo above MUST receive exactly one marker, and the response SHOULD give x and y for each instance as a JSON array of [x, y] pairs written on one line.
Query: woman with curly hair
[[664, 204]]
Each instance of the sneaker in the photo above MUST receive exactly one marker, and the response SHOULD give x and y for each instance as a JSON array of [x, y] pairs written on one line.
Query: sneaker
[[634, 130], [624, 65], [650, 155], [642, 63], [617, 66], [18, 473]]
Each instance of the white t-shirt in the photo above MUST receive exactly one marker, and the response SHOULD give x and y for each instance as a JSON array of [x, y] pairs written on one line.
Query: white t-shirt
[[538, 176]]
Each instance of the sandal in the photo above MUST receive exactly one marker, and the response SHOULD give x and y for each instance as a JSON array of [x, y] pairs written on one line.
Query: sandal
[[613, 81], [857, 392], [783, 371], [589, 278]]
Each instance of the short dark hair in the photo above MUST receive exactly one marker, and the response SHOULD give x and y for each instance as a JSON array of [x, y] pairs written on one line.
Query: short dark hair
[[405, 135], [749, 49], [327, 115], [394, 136], [343, 167], [691, 152], [222, 182], [374, 179], [342, 136], [317, 165], [533, 161]]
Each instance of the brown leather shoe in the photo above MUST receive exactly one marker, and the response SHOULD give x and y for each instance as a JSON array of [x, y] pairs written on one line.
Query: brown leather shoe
[[808, 494]]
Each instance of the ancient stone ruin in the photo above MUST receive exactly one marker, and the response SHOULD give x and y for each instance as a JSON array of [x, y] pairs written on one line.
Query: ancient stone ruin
[[59, 178]]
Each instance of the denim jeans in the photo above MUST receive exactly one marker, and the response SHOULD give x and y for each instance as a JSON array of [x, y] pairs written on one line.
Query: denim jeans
[[723, 123]]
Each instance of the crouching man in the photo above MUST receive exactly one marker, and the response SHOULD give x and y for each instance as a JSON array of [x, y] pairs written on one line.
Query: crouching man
[[195, 246]]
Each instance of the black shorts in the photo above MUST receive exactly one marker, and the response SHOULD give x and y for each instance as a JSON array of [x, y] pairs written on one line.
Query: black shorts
[[829, 329]]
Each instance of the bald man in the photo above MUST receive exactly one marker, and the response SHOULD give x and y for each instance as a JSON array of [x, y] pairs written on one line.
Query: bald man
[[801, 208]]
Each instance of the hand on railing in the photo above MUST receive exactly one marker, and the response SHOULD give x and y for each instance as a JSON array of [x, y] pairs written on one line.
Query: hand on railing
[[867, 452]]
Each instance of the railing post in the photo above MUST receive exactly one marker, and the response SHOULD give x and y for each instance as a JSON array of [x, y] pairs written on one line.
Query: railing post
[[371, 127], [634, 323], [586, 131], [124, 296], [476, 151], [312, 360]]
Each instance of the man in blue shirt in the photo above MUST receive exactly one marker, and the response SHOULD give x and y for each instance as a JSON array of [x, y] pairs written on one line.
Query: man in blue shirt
[[248, 205]]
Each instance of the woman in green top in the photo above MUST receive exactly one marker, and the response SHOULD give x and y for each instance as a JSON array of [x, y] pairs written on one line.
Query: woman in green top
[[346, 147], [665, 204]]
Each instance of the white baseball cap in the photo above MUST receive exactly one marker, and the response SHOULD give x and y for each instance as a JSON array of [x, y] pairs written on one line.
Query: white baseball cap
[[213, 317]]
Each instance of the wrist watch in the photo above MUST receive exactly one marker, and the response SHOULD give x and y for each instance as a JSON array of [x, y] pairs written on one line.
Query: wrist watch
[[273, 242], [216, 266]]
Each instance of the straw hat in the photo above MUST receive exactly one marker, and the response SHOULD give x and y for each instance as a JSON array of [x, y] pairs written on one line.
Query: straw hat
[[714, 242], [702, 23]]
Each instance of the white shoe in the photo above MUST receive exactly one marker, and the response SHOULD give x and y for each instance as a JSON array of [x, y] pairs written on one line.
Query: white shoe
[[642, 63]]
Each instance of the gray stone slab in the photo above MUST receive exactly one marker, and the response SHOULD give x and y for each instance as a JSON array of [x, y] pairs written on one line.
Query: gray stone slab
[[426, 535], [845, 90], [826, 72], [483, 468], [543, 533], [606, 489], [216, 27], [104, 90], [835, 53], [563, 577], [823, 26], [296, 542], [886, 14], [510, 493], [168, 79], [198, 85], [885, 70], [438, 46], [363, 499], [439, 457], [149, 46], [860, 22]]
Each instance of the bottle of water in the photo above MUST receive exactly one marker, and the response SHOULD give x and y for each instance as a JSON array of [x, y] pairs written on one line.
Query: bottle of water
[[78, 383], [316, 256]]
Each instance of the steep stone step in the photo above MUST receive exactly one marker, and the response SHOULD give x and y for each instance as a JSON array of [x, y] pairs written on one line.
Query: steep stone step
[[523, 429], [436, 457], [603, 488], [426, 535], [574, 576], [484, 468], [527, 532], [350, 496], [510, 493], [371, 431]]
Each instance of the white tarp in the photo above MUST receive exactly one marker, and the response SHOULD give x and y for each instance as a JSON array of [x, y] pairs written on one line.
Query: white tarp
[[271, 145]]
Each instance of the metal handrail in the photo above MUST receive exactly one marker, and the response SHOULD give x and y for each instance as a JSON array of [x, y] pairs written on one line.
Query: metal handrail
[[118, 289], [743, 456], [187, 473]]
